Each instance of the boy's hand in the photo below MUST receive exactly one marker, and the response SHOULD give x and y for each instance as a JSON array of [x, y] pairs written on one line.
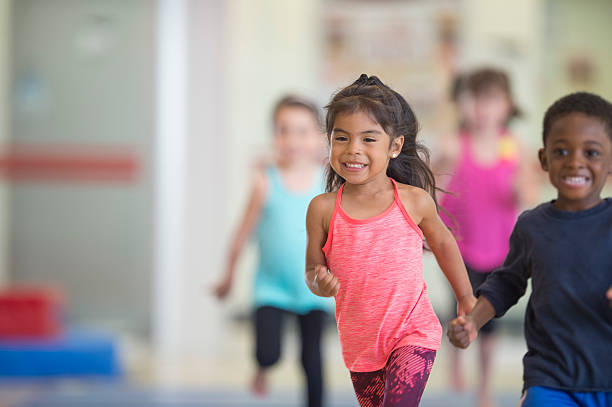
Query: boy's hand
[[326, 282], [462, 331], [609, 295]]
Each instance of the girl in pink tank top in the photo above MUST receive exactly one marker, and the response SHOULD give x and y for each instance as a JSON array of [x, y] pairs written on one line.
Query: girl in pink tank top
[[365, 241], [489, 179]]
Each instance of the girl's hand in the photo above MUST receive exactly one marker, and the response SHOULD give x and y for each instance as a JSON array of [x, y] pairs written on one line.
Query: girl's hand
[[609, 295], [223, 288], [462, 331], [325, 281], [465, 304]]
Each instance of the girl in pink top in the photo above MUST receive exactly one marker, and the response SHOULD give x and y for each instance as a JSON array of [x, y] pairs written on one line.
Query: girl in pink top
[[489, 182], [365, 240]]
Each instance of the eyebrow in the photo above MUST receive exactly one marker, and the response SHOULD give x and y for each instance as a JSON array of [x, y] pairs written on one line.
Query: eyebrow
[[593, 142], [373, 131], [586, 142]]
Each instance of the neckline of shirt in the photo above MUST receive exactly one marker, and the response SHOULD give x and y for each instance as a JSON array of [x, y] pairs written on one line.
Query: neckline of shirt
[[551, 210]]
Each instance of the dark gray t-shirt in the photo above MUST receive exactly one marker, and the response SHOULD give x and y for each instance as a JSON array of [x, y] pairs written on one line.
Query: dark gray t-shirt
[[568, 321]]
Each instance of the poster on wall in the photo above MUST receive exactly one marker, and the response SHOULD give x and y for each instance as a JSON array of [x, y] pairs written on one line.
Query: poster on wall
[[411, 46]]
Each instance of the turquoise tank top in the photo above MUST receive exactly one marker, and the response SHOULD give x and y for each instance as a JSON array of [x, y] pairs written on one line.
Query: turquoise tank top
[[281, 238]]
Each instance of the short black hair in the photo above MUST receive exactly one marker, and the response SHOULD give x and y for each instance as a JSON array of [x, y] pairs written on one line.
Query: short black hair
[[579, 102]]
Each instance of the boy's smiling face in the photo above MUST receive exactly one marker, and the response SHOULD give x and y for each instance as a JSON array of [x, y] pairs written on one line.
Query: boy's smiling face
[[578, 158]]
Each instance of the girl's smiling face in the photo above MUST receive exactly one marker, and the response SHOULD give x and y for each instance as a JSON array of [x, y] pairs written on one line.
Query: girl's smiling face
[[360, 149], [578, 158]]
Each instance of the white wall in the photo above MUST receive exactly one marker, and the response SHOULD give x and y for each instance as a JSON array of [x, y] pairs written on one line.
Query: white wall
[[242, 55], [576, 29], [169, 169], [190, 179], [507, 34]]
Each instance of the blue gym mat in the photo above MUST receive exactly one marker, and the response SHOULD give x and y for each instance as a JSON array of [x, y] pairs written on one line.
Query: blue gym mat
[[75, 353]]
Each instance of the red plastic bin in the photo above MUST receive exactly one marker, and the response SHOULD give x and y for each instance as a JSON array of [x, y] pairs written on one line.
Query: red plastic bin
[[30, 312]]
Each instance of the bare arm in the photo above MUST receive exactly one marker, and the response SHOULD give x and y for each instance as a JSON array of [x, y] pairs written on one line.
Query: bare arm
[[444, 247], [249, 220], [318, 279], [482, 312]]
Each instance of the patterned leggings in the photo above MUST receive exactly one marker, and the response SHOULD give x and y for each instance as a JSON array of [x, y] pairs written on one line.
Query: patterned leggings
[[400, 383]]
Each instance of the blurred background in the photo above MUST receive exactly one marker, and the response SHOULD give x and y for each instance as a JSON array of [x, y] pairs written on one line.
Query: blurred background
[[129, 130]]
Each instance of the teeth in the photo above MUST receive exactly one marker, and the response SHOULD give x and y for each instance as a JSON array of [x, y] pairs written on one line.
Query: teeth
[[575, 180], [355, 165]]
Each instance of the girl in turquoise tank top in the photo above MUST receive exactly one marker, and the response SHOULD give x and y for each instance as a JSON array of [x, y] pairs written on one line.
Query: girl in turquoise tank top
[[276, 216]]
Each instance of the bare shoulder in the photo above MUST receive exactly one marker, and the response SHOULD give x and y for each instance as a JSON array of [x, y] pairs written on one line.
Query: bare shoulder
[[321, 209], [323, 203], [259, 182], [416, 200], [259, 177], [413, 194]]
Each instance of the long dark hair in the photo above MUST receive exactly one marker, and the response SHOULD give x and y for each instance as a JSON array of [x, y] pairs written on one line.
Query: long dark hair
[[368, 94]]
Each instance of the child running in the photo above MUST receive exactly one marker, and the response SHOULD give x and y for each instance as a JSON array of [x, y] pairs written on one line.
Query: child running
[[565, 247], [490, 182], [277, 209], [365, 242]]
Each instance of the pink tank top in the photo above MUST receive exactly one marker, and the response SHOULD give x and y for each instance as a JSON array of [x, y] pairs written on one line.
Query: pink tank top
[[483, 204], [382, 303]]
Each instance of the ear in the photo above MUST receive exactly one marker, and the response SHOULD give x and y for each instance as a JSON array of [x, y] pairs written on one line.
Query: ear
[[396, 146], [543, 159]]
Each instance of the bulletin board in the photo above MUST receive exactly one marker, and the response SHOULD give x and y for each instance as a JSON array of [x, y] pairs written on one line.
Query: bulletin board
[[411, 46]]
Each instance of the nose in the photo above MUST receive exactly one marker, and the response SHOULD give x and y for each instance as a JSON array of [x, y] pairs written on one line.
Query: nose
[[574, 159], [354, 147]]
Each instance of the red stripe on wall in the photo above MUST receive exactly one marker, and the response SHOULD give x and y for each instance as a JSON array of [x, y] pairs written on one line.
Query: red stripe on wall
[[68, 163]]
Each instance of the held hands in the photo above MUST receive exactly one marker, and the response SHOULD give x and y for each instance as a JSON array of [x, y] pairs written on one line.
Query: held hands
[[462, 331], [325, 281], [465, 304]]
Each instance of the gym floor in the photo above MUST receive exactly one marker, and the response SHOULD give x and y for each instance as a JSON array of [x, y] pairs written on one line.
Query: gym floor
[[223, 380]]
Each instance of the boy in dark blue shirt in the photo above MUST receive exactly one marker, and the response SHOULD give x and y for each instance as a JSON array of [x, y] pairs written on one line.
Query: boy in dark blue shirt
[[565, 247]]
